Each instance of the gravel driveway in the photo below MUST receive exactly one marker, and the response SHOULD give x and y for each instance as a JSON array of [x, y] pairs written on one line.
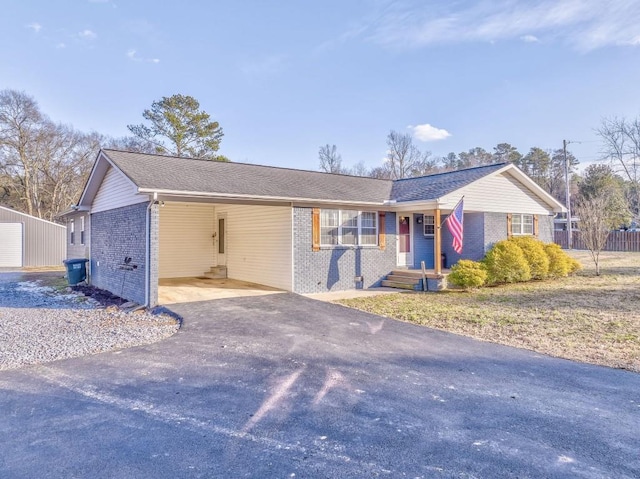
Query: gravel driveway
[[39, 324]]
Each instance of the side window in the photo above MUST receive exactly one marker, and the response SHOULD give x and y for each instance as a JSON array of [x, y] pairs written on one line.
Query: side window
[[72, 229], [522, 225], [82, 230], [329, 227], [429, 225]]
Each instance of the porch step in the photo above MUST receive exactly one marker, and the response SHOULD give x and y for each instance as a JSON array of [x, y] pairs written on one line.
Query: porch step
[[216, 272], [400, 284], [404, 278], [409, 273]]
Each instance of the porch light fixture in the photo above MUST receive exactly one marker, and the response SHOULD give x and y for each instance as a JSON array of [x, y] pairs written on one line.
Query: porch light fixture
[[420, 219]]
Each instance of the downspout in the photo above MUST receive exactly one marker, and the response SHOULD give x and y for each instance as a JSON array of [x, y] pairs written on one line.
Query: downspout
[[147, 266]]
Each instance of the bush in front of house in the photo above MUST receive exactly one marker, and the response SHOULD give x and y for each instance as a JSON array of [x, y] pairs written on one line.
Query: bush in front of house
[[560, 263], [506, 263], [468, 274], [535, 255]]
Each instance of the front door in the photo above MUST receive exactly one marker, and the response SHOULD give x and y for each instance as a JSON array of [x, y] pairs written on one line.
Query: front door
[[405, 252], [222, 240]]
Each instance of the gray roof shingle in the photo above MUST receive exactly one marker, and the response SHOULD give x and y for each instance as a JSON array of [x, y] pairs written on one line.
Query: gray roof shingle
[[205, 176], [436, 186], [189, 175]]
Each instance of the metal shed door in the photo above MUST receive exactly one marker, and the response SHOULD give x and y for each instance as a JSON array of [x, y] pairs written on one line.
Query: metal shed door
[[10, 245]]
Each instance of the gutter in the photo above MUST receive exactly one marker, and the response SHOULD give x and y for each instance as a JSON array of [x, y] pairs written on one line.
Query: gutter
[[287, 199]]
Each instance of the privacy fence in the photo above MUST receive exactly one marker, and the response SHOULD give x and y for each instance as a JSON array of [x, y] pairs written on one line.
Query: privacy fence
[[617, 241]]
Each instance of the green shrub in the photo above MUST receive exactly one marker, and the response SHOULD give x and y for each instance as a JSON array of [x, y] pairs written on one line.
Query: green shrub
[[505, 263], [535, 255], [574, 264], [468, 274], [559, 261]]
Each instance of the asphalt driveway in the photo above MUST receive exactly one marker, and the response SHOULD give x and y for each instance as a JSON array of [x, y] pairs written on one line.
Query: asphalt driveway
[[283, 386]]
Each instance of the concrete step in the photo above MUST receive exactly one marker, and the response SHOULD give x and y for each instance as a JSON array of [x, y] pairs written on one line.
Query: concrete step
[[399, 285], [216, 272]]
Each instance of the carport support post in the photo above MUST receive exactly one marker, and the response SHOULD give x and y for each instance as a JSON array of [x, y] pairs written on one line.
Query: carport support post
[[153, 259], [437, 243]]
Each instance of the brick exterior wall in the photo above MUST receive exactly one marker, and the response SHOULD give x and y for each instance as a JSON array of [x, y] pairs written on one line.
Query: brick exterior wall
[[116, 234], [154, 254], [545, 228], [495, 229], [334, 269], [473, 246]]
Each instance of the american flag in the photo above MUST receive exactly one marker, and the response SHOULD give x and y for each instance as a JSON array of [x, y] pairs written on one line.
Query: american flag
[[455, 224]]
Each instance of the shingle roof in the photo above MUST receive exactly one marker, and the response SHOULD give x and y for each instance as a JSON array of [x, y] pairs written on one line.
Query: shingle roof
[[204, 176], [435, 186], [157, 172]]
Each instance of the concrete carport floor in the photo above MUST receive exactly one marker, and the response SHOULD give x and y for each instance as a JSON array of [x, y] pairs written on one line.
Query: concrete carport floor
[[282, 386], [185, 290]]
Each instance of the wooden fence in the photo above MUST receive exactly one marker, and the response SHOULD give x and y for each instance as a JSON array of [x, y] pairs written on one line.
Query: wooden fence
[[617, 241]]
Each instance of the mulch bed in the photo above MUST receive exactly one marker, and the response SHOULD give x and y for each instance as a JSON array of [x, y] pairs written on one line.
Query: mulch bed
[[105, 298]]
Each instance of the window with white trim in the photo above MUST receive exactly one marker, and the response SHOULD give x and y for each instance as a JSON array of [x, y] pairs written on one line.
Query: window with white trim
[[82, 230], [521, 224], [428, 222], [72, 230], [348, 227]]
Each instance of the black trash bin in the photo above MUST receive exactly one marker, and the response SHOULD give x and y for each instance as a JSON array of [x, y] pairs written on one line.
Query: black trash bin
[[76, 270]]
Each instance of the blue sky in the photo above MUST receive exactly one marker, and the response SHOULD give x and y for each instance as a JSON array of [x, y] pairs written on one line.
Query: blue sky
[[283, 78]]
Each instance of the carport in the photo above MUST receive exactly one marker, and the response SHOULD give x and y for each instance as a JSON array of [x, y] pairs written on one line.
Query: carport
[[186, 290], [211, 250]]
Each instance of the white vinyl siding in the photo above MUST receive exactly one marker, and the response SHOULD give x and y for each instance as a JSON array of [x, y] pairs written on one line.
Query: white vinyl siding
[[501, 194], [78, 250], [186, 239], [11, 251], [116, 191], [259, 244]]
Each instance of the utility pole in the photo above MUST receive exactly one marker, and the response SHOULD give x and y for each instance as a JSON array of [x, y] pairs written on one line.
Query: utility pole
[[567, 180]]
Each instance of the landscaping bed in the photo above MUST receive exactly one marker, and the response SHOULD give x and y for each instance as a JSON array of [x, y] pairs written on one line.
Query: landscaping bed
[[42, 320], [589, 318]]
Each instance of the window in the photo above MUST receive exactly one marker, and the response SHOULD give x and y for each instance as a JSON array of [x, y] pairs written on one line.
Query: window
[[521, 224], [348, 227], [73, 232], [82, 230], [429, 225]]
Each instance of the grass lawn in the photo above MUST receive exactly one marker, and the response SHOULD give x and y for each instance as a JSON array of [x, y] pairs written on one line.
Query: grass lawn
[[595, 319]]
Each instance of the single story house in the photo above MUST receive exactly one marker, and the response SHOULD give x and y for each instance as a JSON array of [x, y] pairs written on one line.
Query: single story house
[[147, 217], [26, 240]]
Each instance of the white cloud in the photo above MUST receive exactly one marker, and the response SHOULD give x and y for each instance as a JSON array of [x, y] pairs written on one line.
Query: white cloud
[[132, 55], [35, 26], [427, 132], [88, 34], [530, 39], [60, 45], [583, 24]]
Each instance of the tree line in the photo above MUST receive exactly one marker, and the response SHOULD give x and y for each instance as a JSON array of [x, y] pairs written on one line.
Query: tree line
[[617, 176], [44, 164]]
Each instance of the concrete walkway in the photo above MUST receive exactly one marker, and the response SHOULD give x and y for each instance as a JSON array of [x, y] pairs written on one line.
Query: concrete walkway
[[282, 386]]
